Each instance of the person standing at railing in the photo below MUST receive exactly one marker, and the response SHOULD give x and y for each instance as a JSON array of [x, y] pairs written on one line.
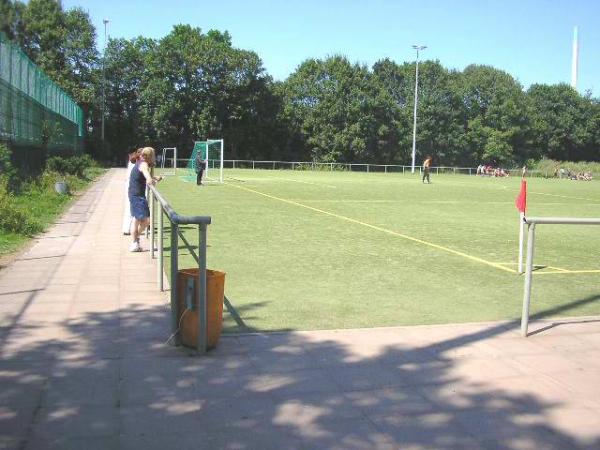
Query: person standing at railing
[[427, 168], [127, 218], [139, 178]]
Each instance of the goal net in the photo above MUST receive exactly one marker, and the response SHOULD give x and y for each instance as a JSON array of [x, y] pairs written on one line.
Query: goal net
[[210, 154]]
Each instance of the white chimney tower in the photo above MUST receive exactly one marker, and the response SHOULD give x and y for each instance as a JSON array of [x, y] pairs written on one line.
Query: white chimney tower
[[575, 60]]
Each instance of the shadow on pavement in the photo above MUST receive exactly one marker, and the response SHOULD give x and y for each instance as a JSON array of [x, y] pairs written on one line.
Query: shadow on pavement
[[107, 380]]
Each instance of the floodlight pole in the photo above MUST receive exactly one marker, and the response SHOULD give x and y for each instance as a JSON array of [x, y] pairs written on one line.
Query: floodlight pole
[[414, 143], [105, 21]]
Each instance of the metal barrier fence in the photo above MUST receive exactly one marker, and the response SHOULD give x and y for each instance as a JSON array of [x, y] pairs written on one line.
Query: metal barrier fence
[[333, 166], [164, 209], [531, 223], [33, 109], [329, 167], [352, 167]]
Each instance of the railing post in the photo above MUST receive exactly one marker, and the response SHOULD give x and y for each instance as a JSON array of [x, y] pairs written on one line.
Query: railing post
[[152, 208], [202, 322], [528, 275], [160, 250], [174, 271]]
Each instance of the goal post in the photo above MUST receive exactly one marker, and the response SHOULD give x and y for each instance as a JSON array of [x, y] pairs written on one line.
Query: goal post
[[168, 160], [214, 159], [531, 225]]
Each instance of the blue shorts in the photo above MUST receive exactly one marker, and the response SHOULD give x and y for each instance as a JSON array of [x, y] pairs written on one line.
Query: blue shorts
[[139, 207]]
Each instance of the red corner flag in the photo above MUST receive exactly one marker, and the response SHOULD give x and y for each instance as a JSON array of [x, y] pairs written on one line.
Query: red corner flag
[[521, 200]]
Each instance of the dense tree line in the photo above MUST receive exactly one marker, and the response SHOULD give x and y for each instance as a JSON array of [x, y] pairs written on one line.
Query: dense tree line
[[193, 85]]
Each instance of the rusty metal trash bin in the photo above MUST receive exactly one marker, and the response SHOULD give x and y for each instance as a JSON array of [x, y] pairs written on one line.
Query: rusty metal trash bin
[[187, 306]]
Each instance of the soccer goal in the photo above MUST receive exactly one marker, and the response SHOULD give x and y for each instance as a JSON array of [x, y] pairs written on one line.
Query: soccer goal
[[168, 161], [211, 153]]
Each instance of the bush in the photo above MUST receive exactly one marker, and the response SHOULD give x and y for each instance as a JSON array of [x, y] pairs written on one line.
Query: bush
[[13, 219], [74, 165], [46, 181]]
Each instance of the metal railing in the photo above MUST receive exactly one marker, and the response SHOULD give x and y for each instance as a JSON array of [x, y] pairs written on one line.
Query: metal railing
[[531, 223], [336, 166], [176, 220]]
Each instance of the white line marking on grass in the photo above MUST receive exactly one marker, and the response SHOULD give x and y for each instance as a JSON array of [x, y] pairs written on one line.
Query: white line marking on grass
[[529, 192], [305, 182], [384, 230], [567, 272], [564, 196]]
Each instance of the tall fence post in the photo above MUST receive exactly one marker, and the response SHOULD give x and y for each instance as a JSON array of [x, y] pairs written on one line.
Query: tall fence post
[[202, 300], [174, 271]]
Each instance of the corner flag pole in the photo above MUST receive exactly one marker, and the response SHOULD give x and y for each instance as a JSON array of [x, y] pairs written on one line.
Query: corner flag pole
[[521, 204]]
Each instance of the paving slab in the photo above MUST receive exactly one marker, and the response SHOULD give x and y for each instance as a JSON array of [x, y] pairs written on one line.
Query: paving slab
[[85, 363]]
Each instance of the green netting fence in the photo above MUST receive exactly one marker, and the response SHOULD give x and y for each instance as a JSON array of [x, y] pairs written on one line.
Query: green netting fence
[[34, 111]]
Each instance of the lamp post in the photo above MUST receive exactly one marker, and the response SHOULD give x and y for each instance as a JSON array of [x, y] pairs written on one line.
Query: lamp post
[[414, 146], [105, 21]]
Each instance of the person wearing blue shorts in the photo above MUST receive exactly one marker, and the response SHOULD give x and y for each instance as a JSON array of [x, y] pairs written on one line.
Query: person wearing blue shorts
[[140, 177]]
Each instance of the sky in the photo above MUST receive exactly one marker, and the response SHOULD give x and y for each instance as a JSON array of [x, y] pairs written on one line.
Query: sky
[[530, 39]]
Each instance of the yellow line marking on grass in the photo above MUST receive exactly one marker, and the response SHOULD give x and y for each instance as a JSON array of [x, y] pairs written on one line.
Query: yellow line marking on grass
[[383, 230], [554, 271]]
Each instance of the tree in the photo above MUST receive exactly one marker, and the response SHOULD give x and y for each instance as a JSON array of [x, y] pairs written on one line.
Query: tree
[[563, 123], [337, 110], [440, 111], [198, 86], [495, 120], [125, 66], [10, 18], [394, 85]]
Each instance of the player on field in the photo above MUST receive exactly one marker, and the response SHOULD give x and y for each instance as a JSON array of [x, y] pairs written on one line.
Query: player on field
[[426, 168]]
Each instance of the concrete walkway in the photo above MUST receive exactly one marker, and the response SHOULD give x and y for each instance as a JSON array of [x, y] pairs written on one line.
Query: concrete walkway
[[83, 365]]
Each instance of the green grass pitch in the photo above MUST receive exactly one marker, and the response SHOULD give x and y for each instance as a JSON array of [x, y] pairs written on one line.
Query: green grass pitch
[[318, 250]]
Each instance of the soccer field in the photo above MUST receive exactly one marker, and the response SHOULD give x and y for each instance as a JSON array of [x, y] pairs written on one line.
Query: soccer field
[[310, 250]]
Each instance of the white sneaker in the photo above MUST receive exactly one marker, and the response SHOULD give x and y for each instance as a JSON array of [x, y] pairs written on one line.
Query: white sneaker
[[135, 247]]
